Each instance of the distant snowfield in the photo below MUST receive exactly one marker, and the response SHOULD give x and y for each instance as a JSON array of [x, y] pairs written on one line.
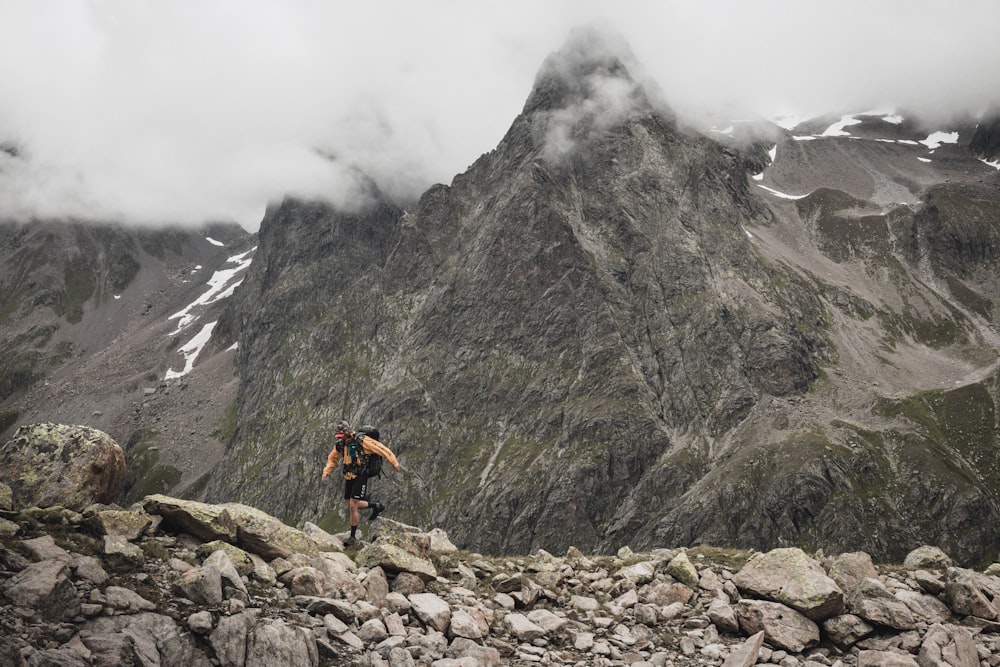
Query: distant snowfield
[[191, 350], [214, 242], [995, 165], [935, 139], [220, 285], [780, 194], [837, 129]]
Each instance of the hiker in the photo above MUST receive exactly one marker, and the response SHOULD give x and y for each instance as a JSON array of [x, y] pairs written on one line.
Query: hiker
[[356, 448]]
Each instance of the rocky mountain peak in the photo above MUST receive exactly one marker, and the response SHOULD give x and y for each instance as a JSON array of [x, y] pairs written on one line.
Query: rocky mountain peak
[[589, 85]]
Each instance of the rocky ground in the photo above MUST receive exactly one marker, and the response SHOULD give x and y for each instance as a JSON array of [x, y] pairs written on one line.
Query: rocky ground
[[172, 582]]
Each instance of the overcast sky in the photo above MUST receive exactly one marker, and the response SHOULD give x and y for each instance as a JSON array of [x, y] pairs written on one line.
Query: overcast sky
[[185, 111]]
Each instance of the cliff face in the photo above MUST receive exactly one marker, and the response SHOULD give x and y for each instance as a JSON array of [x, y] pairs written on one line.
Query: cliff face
[[602, 334]]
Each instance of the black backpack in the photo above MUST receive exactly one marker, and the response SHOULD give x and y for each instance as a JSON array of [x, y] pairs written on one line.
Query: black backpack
[[373, 462]]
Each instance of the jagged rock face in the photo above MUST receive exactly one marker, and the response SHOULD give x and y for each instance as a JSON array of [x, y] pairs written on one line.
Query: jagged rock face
[[57, 464], [985, 140], [533, 336]]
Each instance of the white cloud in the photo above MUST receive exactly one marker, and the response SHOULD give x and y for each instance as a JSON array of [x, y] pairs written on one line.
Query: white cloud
[[160, 111]]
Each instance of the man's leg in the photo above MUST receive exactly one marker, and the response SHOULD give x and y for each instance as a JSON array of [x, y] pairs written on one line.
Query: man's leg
[[357, 489]]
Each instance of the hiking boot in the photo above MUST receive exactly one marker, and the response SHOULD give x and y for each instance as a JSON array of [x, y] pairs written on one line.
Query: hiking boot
[[377, 508], [350, 541]]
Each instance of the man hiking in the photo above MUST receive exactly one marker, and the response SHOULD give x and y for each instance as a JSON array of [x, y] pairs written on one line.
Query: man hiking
[[355, 448]]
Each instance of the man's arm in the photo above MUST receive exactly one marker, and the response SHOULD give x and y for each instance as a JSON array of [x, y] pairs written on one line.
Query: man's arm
[[331, 462], [373, 446]]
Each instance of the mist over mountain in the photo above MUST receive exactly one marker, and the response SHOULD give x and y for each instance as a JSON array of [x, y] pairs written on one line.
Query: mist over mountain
[[116, 121]]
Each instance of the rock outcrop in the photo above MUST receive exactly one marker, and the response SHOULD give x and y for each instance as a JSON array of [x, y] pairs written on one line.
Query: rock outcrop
[[65, 600], [58, 464]]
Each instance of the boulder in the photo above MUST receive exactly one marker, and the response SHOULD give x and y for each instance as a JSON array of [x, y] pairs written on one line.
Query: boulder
[[440, 543], [431, 610], [406, 537], [463, 624], [466, 649], [204, 521], [520, 627], [846, 630], [45, 588], [873, 602], [57, 464], [122, 523], [927, 558], [45, 548], [723, 616], [230, 576], [948, 646], [782, 626], [850, 569], [201, 585], [324, 540], [273, 642], [794, 579], [239, 558], [229, 639], [122, 555], [969, 593], [158, 639], [393, 558], [126, 601], [253, 530], [745, 655], [681, 569]]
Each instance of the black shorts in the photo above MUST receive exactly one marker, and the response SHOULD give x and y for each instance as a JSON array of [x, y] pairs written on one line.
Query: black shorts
[[356, 488]]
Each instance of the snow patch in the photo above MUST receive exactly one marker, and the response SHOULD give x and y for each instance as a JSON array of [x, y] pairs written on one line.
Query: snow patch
[[773, 153], [214, 242], [232, 347], [894, 119], [220, 285], [191, 350], [749, 235], [995, 165], [837, 129], [728, 130], [758, 177], [806, 137], [923, 159], [935, 139], [781, 194], [909, 142]]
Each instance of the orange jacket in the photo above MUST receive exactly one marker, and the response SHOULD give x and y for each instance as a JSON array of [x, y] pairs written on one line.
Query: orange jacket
[[369, 444]]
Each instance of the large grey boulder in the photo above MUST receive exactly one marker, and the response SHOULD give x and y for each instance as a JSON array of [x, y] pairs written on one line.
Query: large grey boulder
[[794, 579], [782, 626], [248, 527], [927, 558], [57, 464], [873, 602]]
